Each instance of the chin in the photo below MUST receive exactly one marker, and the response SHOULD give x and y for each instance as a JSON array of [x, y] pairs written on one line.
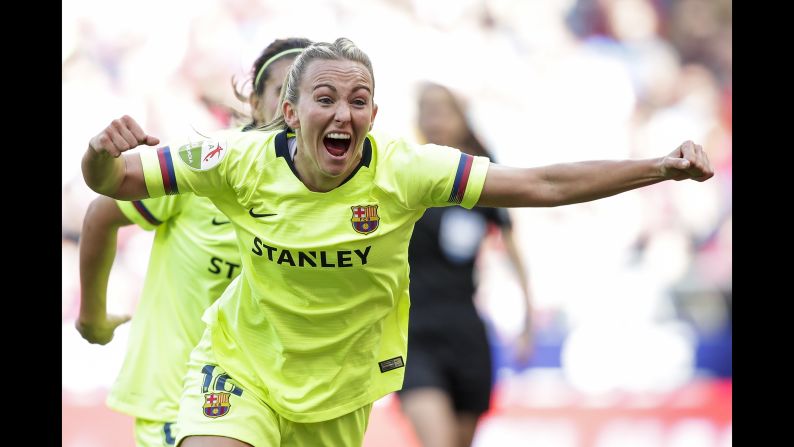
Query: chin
[[333, 171], [335, 166]]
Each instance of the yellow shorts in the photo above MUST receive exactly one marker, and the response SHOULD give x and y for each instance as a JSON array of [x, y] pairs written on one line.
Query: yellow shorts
[[154, 433], [215, 404]]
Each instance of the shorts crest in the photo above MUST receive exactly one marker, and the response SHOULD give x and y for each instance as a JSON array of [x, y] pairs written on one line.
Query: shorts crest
[[216, 404]]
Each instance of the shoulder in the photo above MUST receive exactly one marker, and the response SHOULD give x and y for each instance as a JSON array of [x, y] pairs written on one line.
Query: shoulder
[[394, 148], [413, 158], [252, 143]]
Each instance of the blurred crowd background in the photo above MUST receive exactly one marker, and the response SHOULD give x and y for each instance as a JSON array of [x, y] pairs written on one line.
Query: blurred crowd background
[[633, 294]]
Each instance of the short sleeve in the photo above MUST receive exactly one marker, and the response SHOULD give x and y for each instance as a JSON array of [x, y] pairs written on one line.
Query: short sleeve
[[149, 213], [198, 167], [435, 176]]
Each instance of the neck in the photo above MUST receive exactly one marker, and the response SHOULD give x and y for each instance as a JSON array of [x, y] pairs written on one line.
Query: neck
[[314, 179]]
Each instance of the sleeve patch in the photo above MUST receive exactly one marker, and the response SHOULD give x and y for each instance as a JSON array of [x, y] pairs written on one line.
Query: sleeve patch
[[202, 155]]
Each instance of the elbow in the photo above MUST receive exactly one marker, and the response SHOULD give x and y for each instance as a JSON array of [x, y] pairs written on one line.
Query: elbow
[[556, 194], [99, 187], [102, 191], [551, 196], [105, 182], [545, 192]]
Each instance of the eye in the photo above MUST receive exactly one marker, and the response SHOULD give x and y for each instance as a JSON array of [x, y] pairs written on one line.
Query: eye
[[360, 102], [325, 100]]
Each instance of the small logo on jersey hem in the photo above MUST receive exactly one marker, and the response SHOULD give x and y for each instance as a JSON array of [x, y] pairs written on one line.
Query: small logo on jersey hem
[[365, 218], [215, 222], [216, 405], [253, 214], [388, 365]]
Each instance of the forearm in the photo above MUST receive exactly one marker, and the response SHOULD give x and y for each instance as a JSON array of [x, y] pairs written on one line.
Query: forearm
[[97, 252], [566, 183], [591, 180]]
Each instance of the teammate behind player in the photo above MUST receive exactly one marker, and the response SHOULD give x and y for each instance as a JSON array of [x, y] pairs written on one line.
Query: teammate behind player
[[193, 258]]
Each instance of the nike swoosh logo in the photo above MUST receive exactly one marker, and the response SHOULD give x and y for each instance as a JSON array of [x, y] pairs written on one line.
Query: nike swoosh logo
[[253, 214], [215, 222]]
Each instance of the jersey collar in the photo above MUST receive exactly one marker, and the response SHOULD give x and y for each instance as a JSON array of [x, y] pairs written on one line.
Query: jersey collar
[[282, 150]]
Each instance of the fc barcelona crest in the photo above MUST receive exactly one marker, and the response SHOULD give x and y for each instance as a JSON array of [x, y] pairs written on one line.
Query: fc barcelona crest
[[365, 218], [216, 404]]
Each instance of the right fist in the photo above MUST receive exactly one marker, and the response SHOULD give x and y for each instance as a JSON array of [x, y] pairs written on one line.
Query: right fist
[[121, 135]]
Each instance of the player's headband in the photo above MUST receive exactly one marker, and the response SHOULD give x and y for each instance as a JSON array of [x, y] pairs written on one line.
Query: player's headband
[[271, 60]]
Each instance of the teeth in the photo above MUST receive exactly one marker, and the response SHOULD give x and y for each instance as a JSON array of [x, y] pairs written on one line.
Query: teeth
[[339, 136]]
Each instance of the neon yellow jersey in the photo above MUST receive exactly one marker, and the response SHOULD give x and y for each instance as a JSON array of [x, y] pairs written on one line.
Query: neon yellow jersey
[[317, 325], [193, 258]]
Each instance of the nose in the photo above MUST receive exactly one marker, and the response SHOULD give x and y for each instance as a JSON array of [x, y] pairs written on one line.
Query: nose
[[342, 113]]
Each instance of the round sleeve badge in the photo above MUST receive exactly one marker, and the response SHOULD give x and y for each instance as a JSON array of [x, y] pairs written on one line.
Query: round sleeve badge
[[202, 155]]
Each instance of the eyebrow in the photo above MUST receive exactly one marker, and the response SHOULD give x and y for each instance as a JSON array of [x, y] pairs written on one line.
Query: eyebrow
[[359, 87], [324, 85], [363, 87]]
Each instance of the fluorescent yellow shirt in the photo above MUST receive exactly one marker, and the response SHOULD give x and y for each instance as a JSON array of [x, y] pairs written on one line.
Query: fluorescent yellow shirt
[[317, 325], [193, 258]]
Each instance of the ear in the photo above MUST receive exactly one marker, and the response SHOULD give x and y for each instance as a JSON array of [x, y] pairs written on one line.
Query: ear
[[374, 113], [290, 115]]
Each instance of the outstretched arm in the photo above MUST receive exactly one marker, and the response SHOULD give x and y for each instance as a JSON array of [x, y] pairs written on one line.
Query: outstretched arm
[[109, 173], [567, 183], [97, 252]]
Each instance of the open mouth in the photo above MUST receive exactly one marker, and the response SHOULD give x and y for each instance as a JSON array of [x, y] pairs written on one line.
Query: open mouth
[[337, 144]]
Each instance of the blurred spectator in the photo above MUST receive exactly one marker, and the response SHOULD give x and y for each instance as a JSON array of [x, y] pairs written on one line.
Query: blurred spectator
[[444, 395]]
